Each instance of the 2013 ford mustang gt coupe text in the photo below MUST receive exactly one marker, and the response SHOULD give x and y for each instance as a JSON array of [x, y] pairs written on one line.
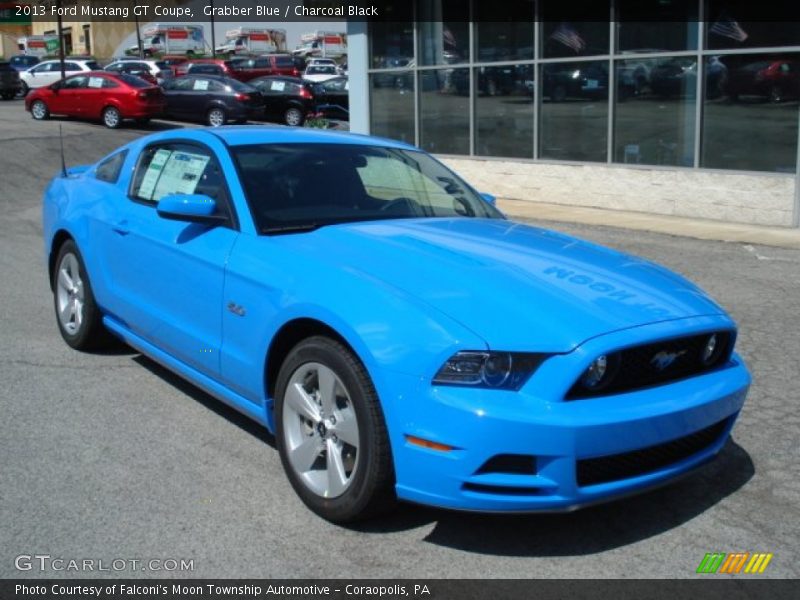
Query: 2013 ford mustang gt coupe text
[[400, 337]]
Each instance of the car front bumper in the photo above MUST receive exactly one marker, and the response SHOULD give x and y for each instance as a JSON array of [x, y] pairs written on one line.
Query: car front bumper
[[531, 451]]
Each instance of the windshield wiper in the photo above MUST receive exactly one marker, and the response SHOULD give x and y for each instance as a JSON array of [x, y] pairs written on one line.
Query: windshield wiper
[[291, 228]]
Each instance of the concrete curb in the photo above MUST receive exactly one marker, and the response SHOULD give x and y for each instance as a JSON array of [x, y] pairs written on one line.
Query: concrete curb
[[667, 224]]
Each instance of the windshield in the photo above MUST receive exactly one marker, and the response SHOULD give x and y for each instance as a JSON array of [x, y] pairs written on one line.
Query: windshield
[[295, 187], [321, 70], [93, 65]]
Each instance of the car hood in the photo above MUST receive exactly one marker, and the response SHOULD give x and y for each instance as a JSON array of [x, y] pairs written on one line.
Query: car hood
[[516, 286]]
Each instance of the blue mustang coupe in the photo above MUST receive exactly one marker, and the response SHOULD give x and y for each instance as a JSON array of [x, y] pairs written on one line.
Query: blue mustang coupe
[[400, 337]]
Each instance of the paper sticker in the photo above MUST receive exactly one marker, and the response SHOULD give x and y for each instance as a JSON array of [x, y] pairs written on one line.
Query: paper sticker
[[153, 173], [95, 82], [181, 174], [278, 86], [201, 84]]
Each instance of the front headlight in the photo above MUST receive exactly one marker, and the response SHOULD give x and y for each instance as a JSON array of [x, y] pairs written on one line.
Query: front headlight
[[496, 370]]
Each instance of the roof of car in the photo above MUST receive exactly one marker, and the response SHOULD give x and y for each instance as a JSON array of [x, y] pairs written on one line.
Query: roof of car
[[243, 135]]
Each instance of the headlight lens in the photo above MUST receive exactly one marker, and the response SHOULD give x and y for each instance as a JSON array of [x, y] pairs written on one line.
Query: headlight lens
[[497, 370], [711, 350]]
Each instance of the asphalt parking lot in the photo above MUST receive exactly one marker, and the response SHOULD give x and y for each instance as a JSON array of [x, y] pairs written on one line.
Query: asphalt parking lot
[[108, 456]]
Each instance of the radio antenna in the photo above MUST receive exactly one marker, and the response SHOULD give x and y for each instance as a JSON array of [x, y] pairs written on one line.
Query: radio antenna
[[61, 140]]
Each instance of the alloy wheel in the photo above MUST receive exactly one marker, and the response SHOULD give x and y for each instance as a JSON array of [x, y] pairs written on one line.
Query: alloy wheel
[[70, 295], [320, 430], [216, 117], [39, 110]]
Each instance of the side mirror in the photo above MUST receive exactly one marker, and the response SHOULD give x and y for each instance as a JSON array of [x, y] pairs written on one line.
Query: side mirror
[[192, 208], [489, 199]]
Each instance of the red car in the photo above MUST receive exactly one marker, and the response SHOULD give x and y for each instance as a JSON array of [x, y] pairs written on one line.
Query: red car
[[264, 66], [208, 66], [109, 97]]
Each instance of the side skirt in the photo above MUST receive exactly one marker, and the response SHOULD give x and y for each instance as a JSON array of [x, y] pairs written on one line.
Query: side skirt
[[261, 415]]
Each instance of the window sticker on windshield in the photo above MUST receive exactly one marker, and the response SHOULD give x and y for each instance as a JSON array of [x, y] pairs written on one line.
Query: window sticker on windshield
[[181, 174], [201, 84], [95, 82], [278, 86], [150, 178]]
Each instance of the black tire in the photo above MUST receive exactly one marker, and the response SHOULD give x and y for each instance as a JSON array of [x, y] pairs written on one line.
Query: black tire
[[24, 89], [39, 110], [143, 121], [112, 118], [90, 334], [370, 490], [216, 116], [294, 117], [8, 95], [776, 94]]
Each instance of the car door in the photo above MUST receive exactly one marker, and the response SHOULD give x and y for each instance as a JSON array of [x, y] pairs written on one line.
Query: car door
[[42, 75], [68, 96], [167, 276], [95, 96], [274, 93], [178, 95]]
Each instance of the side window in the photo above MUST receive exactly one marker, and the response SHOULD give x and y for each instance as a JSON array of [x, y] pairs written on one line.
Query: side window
[[74, 83], [110, 168], [179, 169], [115, 68], [68, 66], [109, 83], [261, 63], [45, 68]]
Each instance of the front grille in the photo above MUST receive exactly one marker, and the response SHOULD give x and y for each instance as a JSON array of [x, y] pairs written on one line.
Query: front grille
[[643, 366], [605, 469]]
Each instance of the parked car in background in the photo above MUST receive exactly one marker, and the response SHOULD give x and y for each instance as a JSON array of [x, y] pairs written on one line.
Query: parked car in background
[[245, 69], [154, 71], [98, 95], [776, 80], [210, 66], [10, 84], [286, 99], [674, 77], [320, 73], [332, 98], [318, 62], [49, 71], [23, 62], [212, 99], [176, 64]]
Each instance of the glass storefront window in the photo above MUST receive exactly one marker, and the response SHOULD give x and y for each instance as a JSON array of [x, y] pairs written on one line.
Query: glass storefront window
[[504, 111], [504, 31], [391, 44], [574, 28], [392, 105], [656, 25], [574, 111], [727, 26], [444, 111], [750, 115], [443, 32], [655, 111]]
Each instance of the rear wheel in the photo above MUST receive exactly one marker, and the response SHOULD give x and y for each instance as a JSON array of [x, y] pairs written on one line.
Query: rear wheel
[[78, 317], [112, 117], [331, 433], [293, 116], [216, 117], [39, 110]]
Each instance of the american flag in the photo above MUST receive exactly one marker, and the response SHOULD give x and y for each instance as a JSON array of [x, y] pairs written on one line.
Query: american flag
[[727, 27], [567, 35]]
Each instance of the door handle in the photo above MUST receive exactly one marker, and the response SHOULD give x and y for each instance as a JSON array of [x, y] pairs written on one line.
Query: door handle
[[121, 227]]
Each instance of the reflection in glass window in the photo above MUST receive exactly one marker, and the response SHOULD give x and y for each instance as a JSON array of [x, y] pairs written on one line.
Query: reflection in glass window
[[727, 26], [574, 111], [504, 31], [504, 111], [586, 34], [390, 44], [392, 106], [656, 25], [750, 115], [444, 111], [655, 127], [444, 39]]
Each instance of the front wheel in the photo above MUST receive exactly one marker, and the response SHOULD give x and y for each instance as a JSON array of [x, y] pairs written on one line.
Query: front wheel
[[24, 89], [331, 433], [216, 117], [78, 317], [112, 117], [39, 110]]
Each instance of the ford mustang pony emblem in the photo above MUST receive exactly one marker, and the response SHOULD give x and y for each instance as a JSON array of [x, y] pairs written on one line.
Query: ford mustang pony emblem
[[664, 359]]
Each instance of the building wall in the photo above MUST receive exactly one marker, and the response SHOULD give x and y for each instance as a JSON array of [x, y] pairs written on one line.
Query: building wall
[[105, 36], [753, 198]]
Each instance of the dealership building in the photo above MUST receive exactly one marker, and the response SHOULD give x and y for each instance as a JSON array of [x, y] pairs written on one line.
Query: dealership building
[[676, 107]]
